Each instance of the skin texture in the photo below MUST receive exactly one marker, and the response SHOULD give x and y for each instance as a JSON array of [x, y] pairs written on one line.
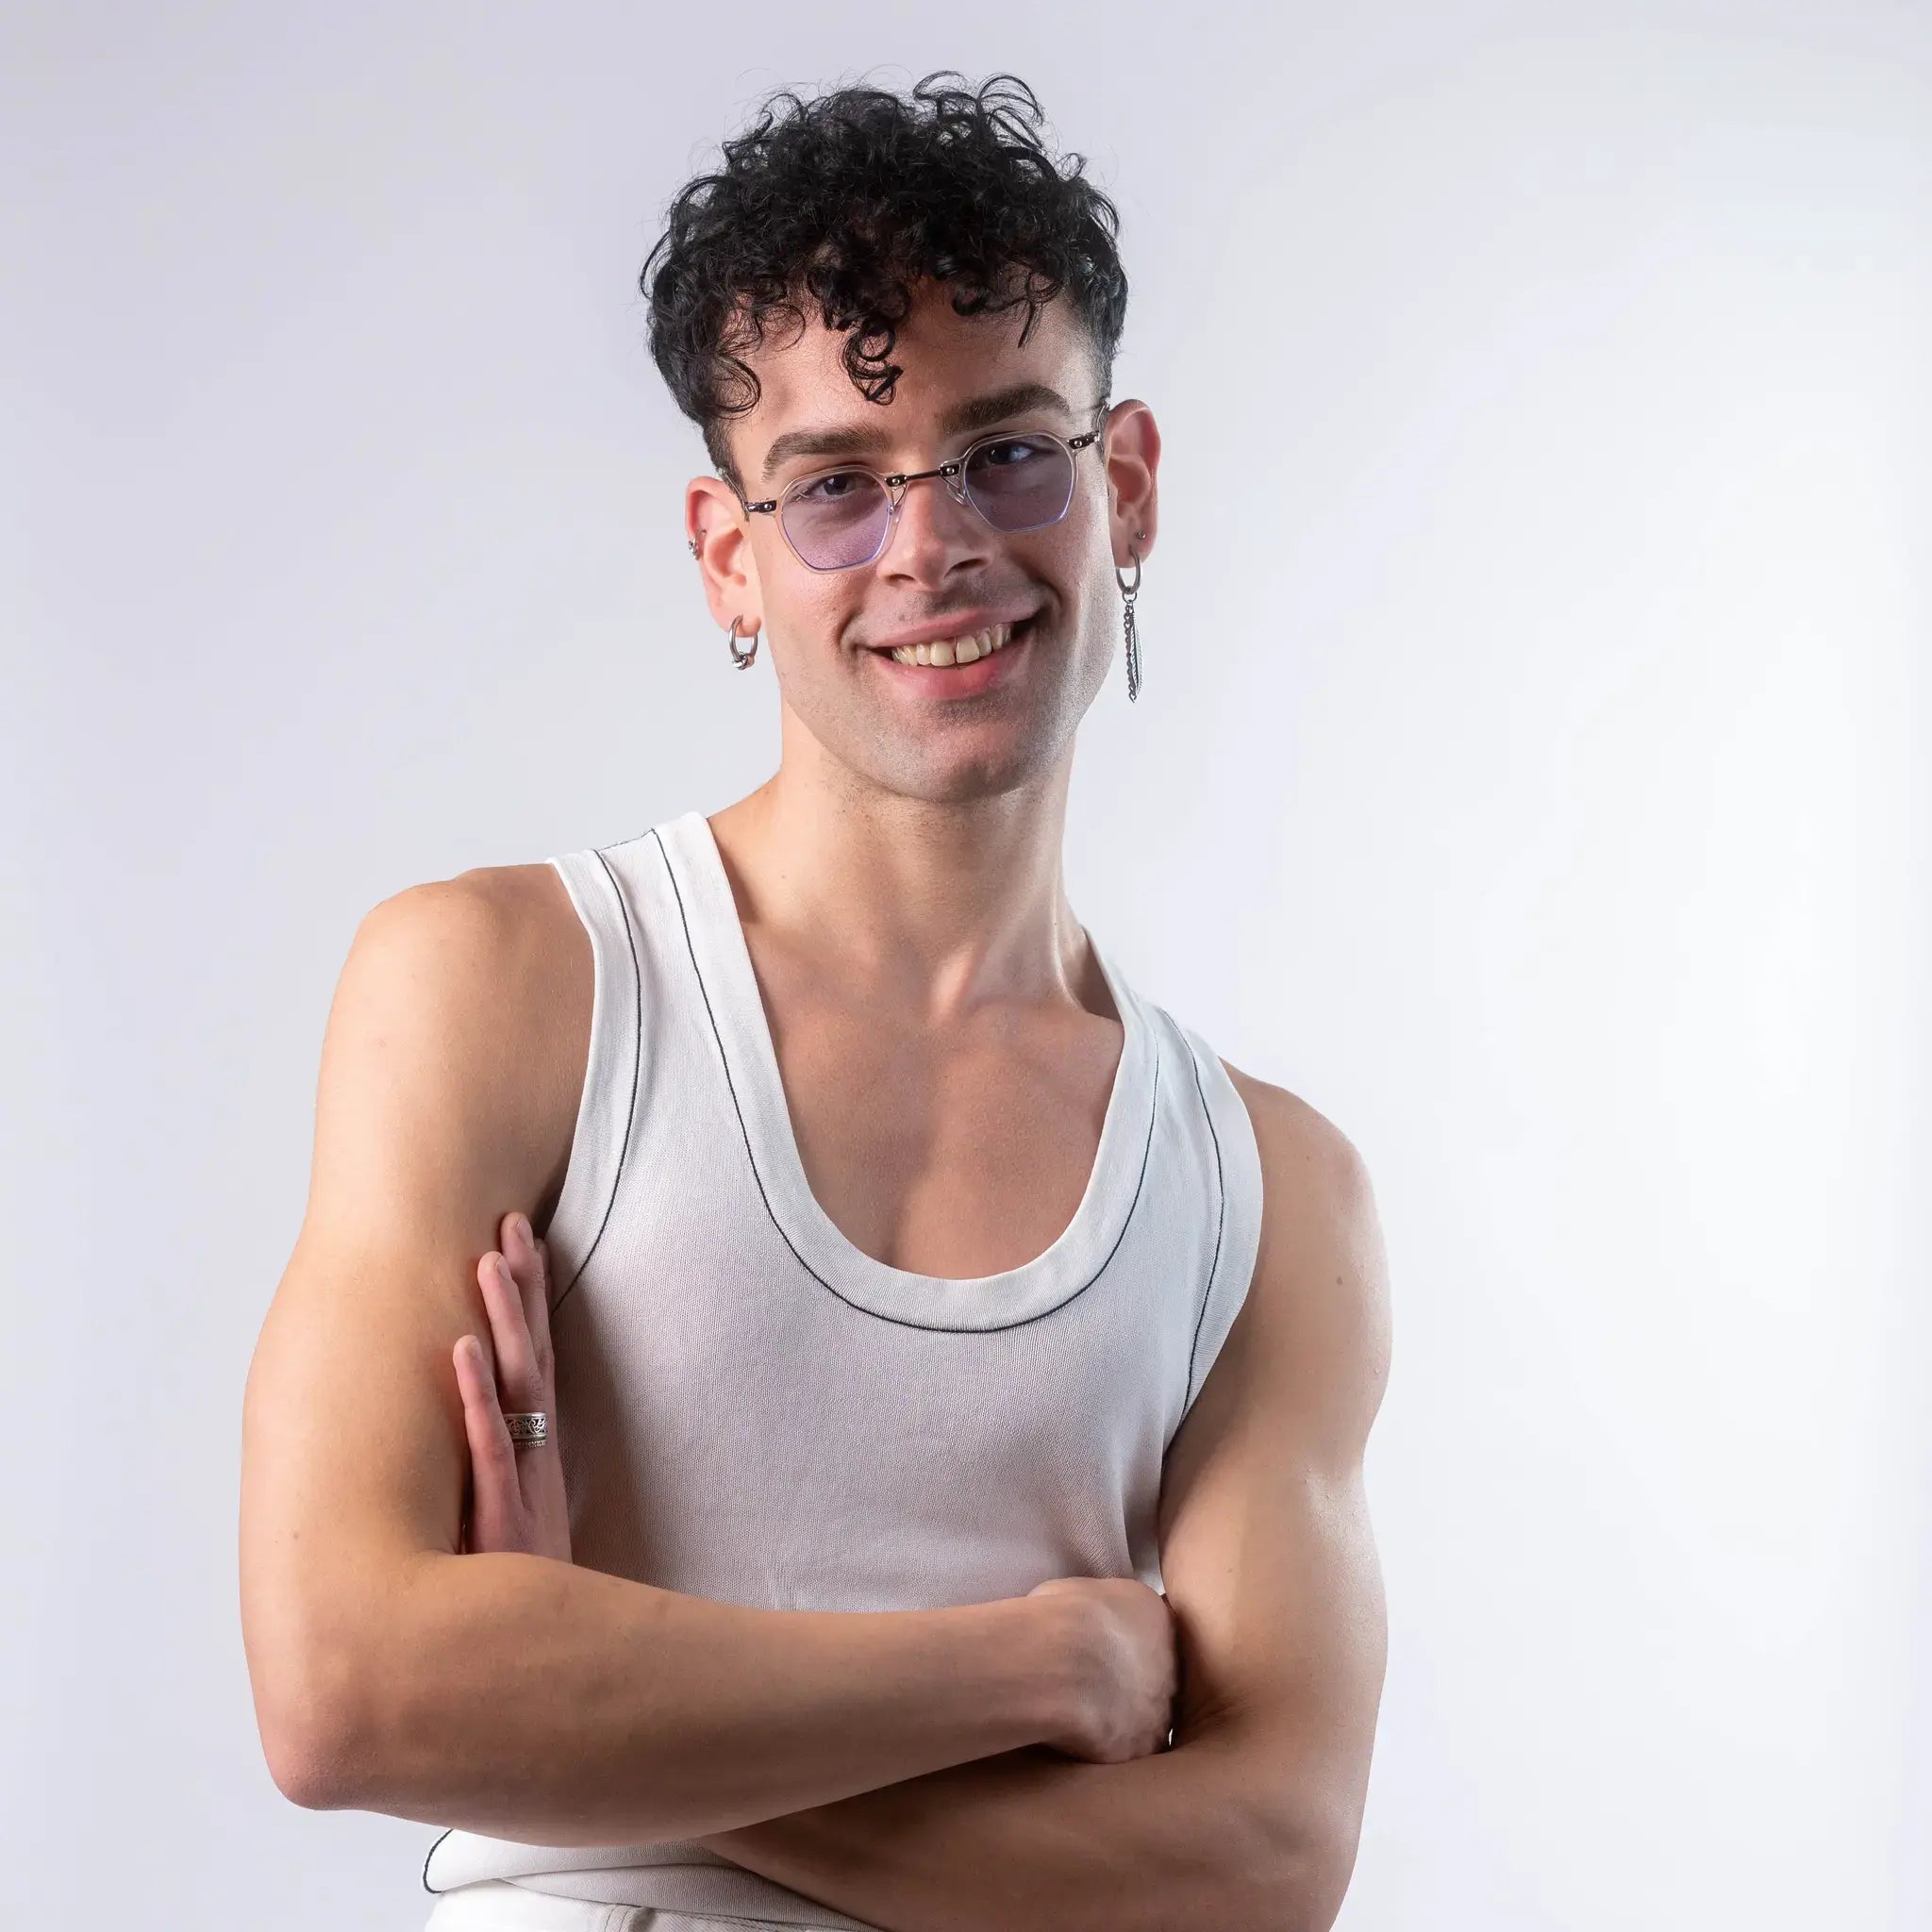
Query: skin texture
[[947, 1045]]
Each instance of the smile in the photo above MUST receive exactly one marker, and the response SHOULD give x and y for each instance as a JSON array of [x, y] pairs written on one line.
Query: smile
[[961, 650], [964, 650]]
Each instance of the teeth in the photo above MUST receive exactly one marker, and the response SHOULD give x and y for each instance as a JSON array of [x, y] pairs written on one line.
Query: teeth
[[957, 650]]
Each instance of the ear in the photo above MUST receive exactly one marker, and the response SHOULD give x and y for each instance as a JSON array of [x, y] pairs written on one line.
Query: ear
[[1131, 442], [717, 531]]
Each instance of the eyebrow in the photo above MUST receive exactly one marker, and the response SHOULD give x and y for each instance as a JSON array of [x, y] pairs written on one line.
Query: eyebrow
[[975, 412]]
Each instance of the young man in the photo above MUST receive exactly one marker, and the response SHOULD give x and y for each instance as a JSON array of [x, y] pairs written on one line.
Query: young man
[[957, 1377]]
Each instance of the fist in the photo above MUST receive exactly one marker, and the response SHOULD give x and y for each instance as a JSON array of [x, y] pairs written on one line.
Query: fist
[[1129, 1668]]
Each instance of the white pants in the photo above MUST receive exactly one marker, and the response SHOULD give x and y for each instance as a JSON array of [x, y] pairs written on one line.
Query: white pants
[[494, 1905]]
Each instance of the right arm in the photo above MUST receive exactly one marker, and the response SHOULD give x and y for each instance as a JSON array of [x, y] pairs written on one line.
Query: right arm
[[499, 1693]]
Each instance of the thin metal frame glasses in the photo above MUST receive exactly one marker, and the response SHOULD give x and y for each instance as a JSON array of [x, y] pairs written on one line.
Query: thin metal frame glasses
[[896, 486]]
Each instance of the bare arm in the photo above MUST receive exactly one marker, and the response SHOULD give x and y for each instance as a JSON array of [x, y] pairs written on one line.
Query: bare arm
[[501, 1692], [1252, 1819]]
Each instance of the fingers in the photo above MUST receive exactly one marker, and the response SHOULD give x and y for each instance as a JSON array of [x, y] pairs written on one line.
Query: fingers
[[495, 1493], [515, 1297], [529, 1261]]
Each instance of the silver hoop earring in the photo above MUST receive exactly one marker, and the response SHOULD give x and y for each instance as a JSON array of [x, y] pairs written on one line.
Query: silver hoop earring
[[742, 659], [1128, 593]]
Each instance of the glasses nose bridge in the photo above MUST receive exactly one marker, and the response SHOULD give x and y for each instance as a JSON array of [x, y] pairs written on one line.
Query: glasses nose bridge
[[954, 475]]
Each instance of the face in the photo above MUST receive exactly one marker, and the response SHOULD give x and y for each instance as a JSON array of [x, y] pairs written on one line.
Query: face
[[932, 732]]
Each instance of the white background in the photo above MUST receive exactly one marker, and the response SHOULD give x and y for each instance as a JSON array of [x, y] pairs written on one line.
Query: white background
[[1529, 773]]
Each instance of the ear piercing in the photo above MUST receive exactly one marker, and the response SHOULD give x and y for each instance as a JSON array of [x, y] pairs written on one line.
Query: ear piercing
[[1128, 593]]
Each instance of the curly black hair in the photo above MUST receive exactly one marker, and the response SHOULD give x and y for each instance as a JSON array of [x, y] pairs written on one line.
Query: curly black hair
[[847, 200]]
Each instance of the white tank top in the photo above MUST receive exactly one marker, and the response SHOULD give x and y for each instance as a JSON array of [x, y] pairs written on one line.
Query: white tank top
[[752, 1410]]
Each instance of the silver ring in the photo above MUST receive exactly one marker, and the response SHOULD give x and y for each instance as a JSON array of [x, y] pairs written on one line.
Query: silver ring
[[531, 1428]]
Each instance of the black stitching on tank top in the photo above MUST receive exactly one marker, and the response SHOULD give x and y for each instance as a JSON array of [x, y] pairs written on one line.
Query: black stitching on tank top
[[899, 1320], [1220, 1222], [636, 1067], [434, 1891]]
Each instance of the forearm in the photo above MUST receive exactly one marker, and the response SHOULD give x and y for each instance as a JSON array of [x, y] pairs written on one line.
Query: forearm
[[529, 1699], [1032, 1841]]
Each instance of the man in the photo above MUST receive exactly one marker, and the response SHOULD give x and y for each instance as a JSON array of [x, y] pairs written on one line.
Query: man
[[955, 1377]]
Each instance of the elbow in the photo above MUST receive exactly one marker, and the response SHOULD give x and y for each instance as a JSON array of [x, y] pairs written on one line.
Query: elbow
[[1283, 1858], [304, 1774], [302, 1713], [1306, 1873], [311, 1665]]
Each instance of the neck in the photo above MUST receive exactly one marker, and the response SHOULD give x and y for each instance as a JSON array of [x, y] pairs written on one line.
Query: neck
[[922, 908]]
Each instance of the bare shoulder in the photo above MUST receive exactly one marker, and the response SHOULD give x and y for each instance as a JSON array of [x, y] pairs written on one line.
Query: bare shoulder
[[1291, 1134], [1316, 1329], [491, 966], [499, 910]]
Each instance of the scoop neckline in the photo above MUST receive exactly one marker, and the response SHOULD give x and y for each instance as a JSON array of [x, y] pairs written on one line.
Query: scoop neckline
[[1074, 1260]]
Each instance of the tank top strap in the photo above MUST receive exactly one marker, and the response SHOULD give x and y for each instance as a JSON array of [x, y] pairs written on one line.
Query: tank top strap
[[1237, 1164], [607, 1109]]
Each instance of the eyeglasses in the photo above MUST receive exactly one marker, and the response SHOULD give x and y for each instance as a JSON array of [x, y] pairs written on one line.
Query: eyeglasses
[[840, 518]]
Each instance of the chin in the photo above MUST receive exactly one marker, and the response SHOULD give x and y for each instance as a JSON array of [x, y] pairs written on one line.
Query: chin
[[960, 782], [972, 760]]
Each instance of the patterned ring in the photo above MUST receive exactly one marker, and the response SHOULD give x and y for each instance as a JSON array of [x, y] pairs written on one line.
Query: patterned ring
[[532, 1428]]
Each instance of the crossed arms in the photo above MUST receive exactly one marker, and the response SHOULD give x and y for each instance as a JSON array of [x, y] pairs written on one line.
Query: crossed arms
[[888, 1764]]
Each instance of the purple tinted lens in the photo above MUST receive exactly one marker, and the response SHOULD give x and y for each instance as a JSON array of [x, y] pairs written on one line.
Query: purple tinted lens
[[1021, 482], [838, 520]]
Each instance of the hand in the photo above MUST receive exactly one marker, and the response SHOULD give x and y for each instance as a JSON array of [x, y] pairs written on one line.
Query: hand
[[516, 1492], [1129, 1669]]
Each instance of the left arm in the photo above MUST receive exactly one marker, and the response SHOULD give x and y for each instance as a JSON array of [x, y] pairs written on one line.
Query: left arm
[[1252, 1818]]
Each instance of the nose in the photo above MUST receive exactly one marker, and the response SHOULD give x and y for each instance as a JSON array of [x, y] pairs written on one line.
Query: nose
[[933, 527]]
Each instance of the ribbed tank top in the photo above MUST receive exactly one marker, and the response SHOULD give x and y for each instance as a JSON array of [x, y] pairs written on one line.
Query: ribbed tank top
[[752, 1410]]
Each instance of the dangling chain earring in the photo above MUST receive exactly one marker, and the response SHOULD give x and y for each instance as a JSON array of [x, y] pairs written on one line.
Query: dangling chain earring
[[1128, 593]]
